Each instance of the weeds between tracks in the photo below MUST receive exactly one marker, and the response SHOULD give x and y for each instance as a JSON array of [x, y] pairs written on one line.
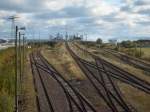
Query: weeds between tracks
[[93, 79], [75, 99]]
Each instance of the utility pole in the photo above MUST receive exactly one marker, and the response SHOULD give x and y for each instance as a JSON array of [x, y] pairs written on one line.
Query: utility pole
[[140, 50], [86, 43], [14, 31], [20, 60], [33, 35], [50, 40], [39, 39], [18, 56], [135, 49], [66, 36], [23, 55], [16, 70], [66, 30]]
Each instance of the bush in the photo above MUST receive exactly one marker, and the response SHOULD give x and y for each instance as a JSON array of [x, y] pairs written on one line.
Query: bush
[[127, 44], [88, 43]]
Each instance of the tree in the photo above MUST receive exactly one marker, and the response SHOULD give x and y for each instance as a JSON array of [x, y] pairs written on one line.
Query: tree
[[99, 41], [127, 44]]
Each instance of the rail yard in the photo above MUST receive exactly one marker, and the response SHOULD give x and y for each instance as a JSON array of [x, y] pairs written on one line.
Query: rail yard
[[75, 56], [99, 89]]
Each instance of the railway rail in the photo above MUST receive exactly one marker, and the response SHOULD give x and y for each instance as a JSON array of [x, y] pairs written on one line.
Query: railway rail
[[75, 100], [130, 60], [39, 83], [104, 85], [119, 73]]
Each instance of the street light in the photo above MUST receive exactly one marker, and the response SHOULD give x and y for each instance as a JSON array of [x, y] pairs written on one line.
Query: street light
[[17, 29]]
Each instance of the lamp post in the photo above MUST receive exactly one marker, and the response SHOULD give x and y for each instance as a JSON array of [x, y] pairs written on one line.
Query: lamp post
[[17, 29]]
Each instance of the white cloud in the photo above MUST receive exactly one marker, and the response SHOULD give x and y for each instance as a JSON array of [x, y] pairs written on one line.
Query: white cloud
[[6, 14], [1, 22], [102, 8], [60, 4], [17, 1], [55, 5], [97, 17], [56, 22]]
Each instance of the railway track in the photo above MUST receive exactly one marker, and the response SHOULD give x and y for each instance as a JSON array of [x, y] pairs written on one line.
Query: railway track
[[103, 84], [38, 79], [130, 60], [119, 73], [76, 102]]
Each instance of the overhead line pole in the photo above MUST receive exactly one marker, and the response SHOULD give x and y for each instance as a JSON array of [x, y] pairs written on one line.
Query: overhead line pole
[[18, 80], [20, 60], [39, 39], [21, 55], [86, 44], [16, 69], [24, 57], [14, 31]]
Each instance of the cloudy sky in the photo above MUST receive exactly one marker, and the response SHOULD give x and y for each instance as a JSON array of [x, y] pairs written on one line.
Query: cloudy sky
[[121, 19]]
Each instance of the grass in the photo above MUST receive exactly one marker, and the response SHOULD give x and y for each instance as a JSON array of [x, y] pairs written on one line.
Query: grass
[[137, 98], [114, 60], [29, 94], [145, 52], [146, 55], [60, 58], [131, 69], [80, 53], [7, 80]]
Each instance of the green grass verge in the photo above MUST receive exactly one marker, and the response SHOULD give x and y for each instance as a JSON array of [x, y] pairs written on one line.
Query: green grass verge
[[7, 80]]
